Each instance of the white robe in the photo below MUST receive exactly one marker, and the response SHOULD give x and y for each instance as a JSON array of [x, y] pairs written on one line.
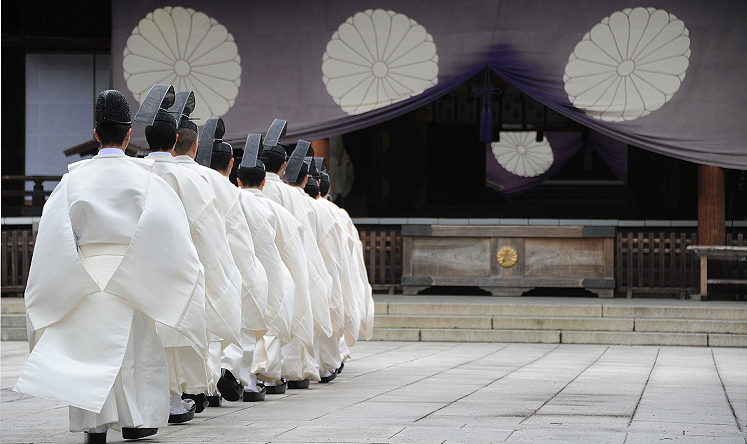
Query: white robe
[[99, 280], [367, 304], [254, 291], [222, 277], [332, 245], [298, 355], [279, 311], [320, 281]]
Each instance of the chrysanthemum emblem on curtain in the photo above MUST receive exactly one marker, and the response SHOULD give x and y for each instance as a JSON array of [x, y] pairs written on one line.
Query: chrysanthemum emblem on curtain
[[376, 58], [188, 49], [520, 153], [629, 65]]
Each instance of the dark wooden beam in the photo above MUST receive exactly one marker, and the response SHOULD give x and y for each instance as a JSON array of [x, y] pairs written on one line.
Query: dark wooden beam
[[711, 205]]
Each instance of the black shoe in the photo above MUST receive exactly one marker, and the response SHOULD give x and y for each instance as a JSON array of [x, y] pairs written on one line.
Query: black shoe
[[137, 432], [326, 379], [342, 366], [214, 401], [94, 438], [230, 389], [250, 396], [276, 389], [298, 384], [183, 417], [201, 401]]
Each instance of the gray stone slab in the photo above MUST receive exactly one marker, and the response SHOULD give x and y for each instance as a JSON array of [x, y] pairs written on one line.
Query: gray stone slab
[[635, 338], [542, 337], [403, 321], [691, 326], [13, 320], [12, 305], [677, 311], [560, 323], [396, 334], [722, 340]]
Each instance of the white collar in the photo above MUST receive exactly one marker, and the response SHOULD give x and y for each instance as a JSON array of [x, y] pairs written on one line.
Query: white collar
[[255, 191], [273, 176], [183, 158], [110, 151]]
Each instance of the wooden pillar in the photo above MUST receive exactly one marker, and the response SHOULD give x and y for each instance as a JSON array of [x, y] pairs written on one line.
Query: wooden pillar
[[711, 205], [711, 215], [321, 149]]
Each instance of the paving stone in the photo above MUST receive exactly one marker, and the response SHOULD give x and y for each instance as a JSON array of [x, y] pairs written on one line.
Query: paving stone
[[729, 313]]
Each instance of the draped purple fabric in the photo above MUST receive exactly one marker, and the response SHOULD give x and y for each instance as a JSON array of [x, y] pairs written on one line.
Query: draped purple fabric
[[667, 78]]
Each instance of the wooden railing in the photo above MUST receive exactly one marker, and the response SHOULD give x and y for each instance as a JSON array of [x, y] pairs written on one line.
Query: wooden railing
[[645, 263], [14, 194], [17, 248], [382, 251]]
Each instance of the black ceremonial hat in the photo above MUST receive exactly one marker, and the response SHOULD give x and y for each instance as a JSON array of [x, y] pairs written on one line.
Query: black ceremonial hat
[[251, 151], [184, 104], [274, 135], [211, 141], [296, 161], [159, 99], [111, 106]]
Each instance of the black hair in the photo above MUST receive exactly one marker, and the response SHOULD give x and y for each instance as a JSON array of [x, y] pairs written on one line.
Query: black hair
[[324, 186], [112, 134], [272, 160], [161, 136], [312, 189], [220, 160], [187, 138], [251, 177]]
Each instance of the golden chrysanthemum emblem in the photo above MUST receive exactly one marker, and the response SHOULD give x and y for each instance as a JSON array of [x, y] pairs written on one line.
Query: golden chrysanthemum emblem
[[376, 58], [187, 49], [507, 257]]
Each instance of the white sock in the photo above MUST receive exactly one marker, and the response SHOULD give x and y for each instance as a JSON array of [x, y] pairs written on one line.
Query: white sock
[[326, 373], [99, 429], [271, 384], [252, 384], [177, 407]]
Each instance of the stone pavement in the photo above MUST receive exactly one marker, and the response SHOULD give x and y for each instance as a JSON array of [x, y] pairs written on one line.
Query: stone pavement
[[430, 392]]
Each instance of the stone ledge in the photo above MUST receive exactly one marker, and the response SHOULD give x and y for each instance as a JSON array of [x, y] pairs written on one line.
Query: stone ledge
[[455, 309], [563, 323], [635, 338], [406, 321], [720, 340], [690, 326], [396, 334], [14, 334], [524, 336], [12, 306], [671, 312], [13, 320]]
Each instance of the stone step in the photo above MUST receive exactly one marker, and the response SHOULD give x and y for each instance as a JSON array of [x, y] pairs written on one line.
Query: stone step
[[13, 334], [12, 306], [691, 326], [726, 311], [561, 323], [13, 321], [417, 321], [556, 337]]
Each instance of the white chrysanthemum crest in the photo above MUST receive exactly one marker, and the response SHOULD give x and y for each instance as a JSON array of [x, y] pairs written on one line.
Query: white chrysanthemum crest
[[520, 153], [629, 65], [378, 57], [188, 49]]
